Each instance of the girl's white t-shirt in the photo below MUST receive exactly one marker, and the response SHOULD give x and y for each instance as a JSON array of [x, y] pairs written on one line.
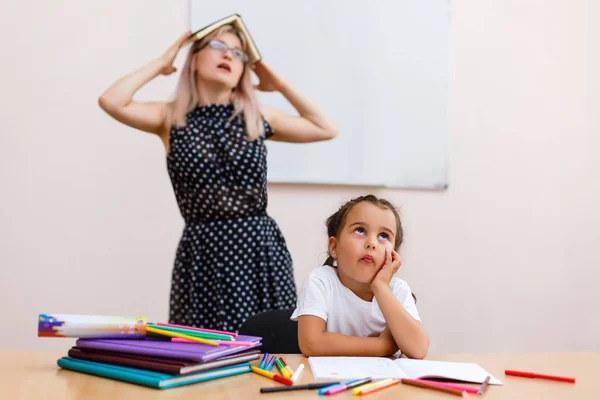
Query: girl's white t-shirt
[[323, 295]]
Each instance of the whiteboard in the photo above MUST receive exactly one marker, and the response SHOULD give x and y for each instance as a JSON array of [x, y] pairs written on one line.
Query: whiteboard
[[380, 71]]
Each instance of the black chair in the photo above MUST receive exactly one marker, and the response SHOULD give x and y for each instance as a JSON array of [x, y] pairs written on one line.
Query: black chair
[[279, 333]]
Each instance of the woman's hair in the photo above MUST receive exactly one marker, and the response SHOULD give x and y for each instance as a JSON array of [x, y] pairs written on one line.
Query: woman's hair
[[244, 99], [336, 222]]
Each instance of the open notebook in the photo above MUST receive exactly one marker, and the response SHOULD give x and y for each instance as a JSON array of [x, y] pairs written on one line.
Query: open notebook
[[344, 368]]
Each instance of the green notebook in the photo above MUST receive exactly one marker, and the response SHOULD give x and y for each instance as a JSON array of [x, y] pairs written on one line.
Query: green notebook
[[149, 378]]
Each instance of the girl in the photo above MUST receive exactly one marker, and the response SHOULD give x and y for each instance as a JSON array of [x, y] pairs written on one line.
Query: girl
[[232, 261], [352, 305]]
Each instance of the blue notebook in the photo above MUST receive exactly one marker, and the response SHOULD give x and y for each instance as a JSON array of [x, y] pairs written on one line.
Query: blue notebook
[[149, 378]]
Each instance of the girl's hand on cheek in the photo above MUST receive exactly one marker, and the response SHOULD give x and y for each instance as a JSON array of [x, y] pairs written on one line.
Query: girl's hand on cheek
[[391, 265]]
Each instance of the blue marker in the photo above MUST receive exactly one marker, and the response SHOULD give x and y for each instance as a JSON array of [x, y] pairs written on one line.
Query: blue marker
[[270, 363], [263, 362]]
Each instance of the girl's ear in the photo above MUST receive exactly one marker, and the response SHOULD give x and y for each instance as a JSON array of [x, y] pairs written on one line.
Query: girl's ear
[[332, 244]]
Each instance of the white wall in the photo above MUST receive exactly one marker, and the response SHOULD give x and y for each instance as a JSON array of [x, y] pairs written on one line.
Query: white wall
[[504, 260]]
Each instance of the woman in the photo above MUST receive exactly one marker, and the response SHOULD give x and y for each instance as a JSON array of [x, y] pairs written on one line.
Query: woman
[[232, 261]]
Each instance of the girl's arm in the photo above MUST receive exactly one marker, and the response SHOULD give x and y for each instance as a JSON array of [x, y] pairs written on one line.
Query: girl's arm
[[311, 126], [409, 334], [314, 341]]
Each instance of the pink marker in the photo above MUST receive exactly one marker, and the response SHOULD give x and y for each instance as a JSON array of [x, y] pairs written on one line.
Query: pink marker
[[219, 342], [197, 329], [347, 385], [465, 388], [337, 389]]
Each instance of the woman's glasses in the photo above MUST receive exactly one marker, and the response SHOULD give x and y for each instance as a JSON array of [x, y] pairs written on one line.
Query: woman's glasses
[[223, 48]]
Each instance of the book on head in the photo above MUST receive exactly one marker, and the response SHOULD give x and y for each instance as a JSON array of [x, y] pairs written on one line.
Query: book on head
[[236, 21]]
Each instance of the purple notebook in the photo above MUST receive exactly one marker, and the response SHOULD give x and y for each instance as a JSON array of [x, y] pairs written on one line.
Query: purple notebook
[[180, 351]]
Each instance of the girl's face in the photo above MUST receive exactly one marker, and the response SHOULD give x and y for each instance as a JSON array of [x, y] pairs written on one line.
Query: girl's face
[[221, 61], [360, 246]]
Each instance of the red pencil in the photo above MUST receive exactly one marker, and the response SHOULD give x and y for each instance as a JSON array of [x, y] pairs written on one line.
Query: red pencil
[[539, 376]]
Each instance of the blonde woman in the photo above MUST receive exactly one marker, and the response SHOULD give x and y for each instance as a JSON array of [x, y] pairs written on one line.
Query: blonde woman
[[232, 261]]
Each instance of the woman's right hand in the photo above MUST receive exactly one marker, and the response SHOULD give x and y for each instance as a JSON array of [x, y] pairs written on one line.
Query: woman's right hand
[[166, 60]]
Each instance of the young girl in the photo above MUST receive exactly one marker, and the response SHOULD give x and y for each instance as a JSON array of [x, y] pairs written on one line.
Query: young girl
[[352, 305]]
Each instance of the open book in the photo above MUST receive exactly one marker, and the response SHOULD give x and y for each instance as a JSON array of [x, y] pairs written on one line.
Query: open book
[[236, 21], [345, 368]]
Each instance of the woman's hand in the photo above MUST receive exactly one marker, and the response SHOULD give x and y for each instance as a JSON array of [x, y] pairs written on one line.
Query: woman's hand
[[166, 60], [311, 125], [390, 266], [269, 81]]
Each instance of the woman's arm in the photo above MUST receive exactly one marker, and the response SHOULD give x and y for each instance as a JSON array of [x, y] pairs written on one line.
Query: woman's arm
[[314, 341], [408, 333], [311, 125], [118, 102]]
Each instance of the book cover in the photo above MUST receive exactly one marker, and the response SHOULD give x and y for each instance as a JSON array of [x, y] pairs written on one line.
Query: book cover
[[238, 23], [157, 364], [180, 351], [153, 379], [91, 326]]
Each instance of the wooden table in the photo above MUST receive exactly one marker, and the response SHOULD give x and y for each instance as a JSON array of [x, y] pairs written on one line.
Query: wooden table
[[35, 375]]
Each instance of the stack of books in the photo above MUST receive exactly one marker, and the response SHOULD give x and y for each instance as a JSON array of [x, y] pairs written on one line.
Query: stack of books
[[163, 357]]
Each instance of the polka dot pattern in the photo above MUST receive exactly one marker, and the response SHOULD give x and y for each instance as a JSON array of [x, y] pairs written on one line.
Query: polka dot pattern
[[232, 261]]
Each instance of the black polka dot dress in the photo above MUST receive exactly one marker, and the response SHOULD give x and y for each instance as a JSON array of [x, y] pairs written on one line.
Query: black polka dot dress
[[232, 261]]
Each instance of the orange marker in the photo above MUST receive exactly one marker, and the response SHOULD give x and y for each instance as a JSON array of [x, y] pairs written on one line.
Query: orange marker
[[376, 387]]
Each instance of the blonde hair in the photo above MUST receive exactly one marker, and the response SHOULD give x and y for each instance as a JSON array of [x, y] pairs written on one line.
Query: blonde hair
[[244, 99]]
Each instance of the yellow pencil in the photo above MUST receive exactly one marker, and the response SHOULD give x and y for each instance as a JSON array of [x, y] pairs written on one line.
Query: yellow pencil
[[368, 385], [181, 336]]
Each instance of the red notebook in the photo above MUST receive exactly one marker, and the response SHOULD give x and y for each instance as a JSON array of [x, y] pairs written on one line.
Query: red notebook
[[165, 365]]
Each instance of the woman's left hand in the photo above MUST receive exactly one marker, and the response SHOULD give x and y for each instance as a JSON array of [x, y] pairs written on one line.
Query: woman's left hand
[[390, 266], [269, 81]]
